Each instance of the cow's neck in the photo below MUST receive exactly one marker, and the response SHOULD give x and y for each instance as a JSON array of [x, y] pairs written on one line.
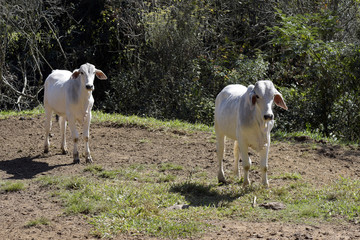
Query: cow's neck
[[83, 99]]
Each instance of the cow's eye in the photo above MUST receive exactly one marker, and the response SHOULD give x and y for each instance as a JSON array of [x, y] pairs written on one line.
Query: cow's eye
[[257, 96], [81, 73]]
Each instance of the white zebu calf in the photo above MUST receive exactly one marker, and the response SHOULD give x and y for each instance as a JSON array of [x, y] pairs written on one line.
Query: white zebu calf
[[69, 95], [245, 115]]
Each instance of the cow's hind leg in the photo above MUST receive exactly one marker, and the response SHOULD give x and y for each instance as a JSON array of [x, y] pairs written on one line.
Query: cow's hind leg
[[48, 114], [62, 124], [220, 140]]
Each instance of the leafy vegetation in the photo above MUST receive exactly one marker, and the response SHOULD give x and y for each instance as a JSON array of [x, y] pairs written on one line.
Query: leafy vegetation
[[169, 59]]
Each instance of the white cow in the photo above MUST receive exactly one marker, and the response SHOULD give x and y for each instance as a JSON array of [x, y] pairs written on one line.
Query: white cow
[[245, 115], [69, 95]]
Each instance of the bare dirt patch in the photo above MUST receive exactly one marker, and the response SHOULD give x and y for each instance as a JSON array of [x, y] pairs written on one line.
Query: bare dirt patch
[[22, 158]]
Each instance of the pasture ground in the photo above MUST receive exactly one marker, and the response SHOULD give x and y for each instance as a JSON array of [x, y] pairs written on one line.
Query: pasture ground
[[113, 147]]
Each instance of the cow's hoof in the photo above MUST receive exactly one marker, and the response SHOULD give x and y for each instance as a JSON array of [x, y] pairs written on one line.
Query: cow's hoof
[[76, 161], [64, 152], [46, 149], [89, 160]]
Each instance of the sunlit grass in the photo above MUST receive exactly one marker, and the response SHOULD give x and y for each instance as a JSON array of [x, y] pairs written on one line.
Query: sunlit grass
[[11, 186], [36, 111], [290, 136], [122, 120], [148, 122], [37, 222], [176, 126], [170, 166], [136, 199], [288, 176]]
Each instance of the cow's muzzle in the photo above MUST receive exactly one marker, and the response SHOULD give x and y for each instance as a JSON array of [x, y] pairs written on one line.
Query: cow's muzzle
[[89, 87], [268, 117]]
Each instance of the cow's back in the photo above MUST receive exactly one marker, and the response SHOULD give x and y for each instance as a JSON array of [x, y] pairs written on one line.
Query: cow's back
[[55, 90], [227, 108]]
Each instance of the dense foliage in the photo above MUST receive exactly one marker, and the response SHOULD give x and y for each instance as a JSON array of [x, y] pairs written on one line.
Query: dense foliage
[[169, 59]]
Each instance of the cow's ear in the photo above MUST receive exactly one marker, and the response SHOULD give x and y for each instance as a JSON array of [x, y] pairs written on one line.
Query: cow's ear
[[100, 75], [75, 73], [253, 97], [279, 101]]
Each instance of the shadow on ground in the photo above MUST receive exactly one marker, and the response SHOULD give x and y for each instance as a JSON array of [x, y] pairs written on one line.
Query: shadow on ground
[[27, 167]]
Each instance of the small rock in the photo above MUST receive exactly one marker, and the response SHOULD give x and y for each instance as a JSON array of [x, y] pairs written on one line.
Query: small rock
[[177, 207], [273, 205]]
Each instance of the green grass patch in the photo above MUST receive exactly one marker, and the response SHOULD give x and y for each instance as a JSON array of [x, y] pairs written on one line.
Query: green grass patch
[[11, 186], [288, 176], [145, 122], [93, 168], [148, 122], [135, 199], [170, 166], [306, 134], [36, 111], [116, 206], [175, 126], [37, 222]]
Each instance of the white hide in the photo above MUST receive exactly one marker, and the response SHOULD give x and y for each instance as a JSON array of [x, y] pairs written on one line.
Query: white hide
[[69, 95], [245, 115]]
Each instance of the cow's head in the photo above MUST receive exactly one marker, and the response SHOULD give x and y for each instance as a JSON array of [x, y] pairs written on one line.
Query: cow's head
[[87, 73], [262, 97]]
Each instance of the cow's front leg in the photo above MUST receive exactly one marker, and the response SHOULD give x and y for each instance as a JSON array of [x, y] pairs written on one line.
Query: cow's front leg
[[86, 135], [75, 137], [264, 164], [246, 162], [236, 159]]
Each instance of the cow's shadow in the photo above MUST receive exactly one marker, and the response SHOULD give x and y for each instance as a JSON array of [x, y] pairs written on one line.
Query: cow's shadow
[[204, 194], [27, 167]]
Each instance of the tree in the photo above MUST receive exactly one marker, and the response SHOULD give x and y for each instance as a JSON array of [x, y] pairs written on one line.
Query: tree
[[24, 40]]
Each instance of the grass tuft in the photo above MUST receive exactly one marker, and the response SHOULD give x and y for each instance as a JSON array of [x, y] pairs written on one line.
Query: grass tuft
[[150, 123], [94, 169], [170, 166], [10, 186], [37, 222], [288, 176]]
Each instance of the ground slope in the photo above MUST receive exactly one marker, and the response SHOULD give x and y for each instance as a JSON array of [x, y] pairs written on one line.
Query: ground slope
[[21, 158]]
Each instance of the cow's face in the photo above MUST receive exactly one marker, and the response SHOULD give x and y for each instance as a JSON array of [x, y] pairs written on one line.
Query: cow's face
[[263, 96], [87, 73]]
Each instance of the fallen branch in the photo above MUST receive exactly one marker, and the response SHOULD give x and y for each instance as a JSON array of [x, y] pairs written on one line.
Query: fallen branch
[[15, 90]]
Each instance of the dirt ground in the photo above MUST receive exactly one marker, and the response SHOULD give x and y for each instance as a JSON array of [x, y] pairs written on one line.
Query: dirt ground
[[22, 158]]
